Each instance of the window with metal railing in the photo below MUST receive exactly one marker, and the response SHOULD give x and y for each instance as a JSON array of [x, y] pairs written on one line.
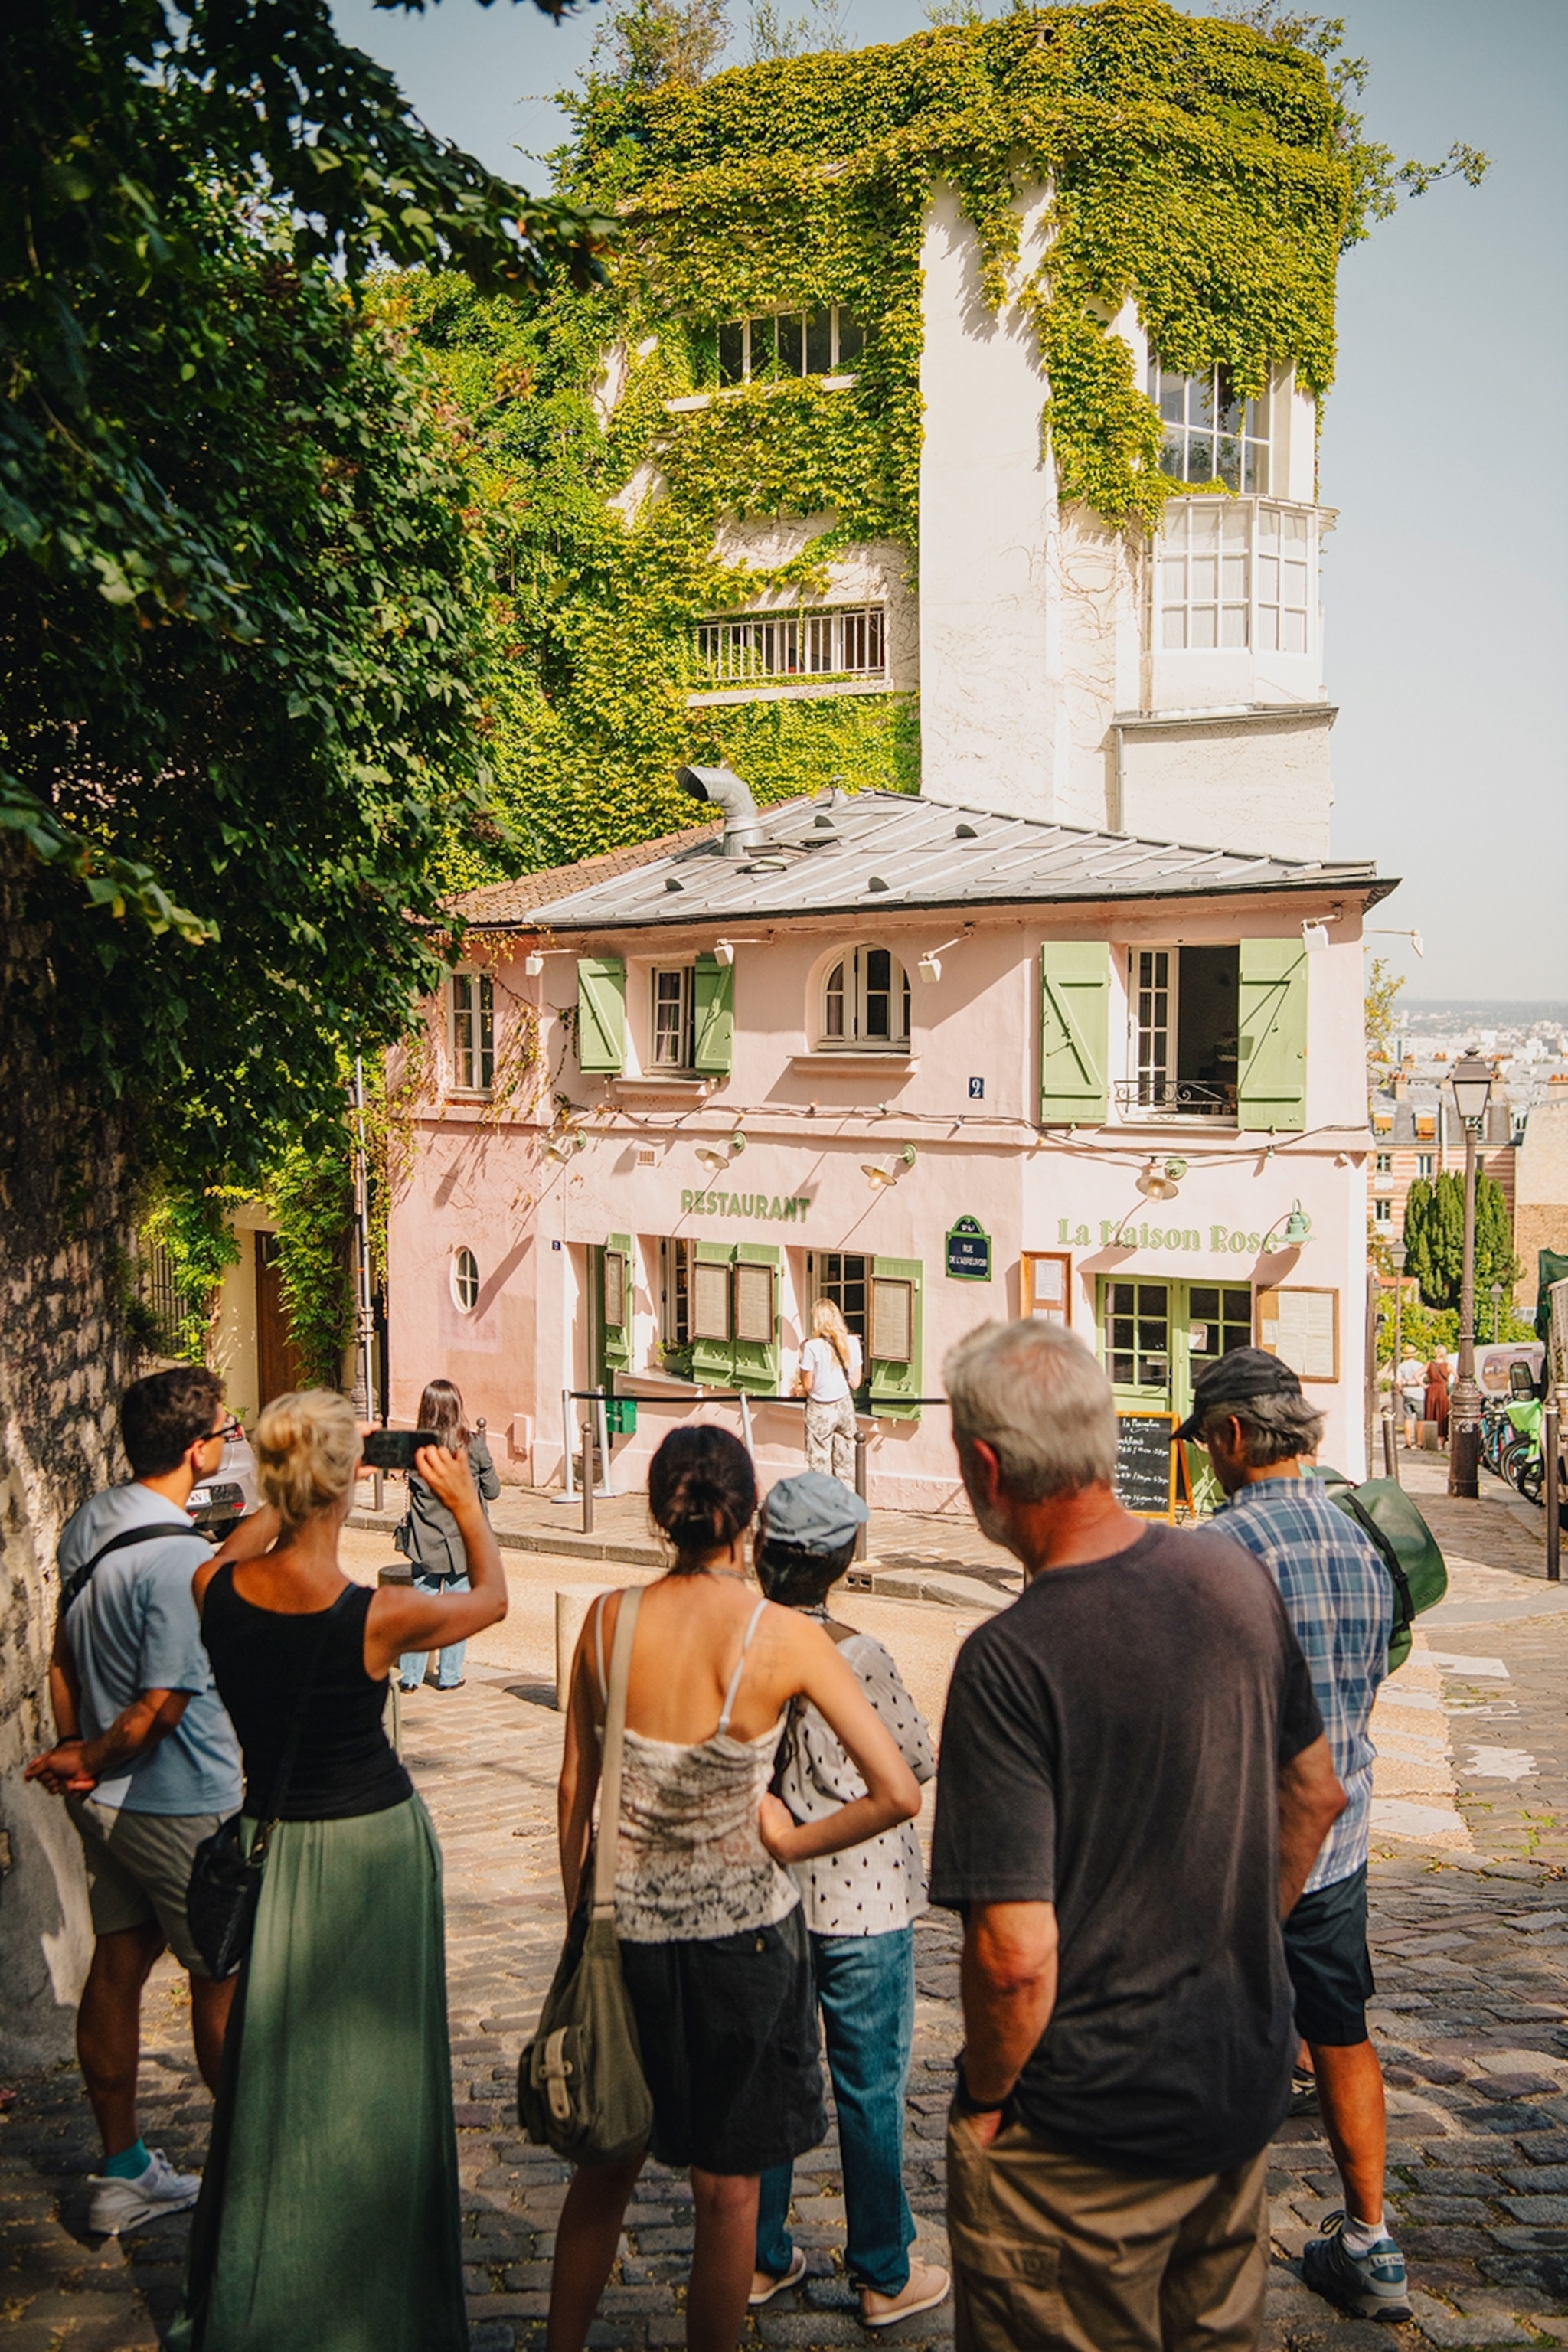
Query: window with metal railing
[[835, 641]]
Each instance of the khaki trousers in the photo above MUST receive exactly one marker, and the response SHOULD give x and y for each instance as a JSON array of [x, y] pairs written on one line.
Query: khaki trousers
[[1053, 2254]]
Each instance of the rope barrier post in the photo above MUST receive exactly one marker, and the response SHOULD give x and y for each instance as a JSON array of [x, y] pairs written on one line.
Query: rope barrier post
[[863, 1532], [588, 1474], [745, 1421], [1551, 1487], [1390, 1461], [602, 1411], [571, 1493]]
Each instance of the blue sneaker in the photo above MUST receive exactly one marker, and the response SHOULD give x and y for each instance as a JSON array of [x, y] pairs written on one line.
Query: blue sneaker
[[1370, 2286]]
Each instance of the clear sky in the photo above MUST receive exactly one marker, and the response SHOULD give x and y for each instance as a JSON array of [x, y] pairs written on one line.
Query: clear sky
[[1447, 579]]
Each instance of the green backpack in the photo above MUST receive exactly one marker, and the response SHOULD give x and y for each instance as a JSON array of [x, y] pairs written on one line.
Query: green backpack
[[1383, 1510]]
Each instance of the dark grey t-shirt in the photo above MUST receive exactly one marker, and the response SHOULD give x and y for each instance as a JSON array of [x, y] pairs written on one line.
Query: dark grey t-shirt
[[1112, 1744]]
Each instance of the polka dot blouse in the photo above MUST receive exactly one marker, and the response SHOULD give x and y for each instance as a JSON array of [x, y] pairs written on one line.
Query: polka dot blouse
[[872, 1888]]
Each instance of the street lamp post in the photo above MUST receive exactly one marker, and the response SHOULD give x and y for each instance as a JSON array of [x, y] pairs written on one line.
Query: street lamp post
[[1472, 1085], [1397, 1257]]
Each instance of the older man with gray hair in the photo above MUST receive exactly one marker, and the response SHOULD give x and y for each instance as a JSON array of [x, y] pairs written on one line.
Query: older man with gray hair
[[1134, 1782], [1251, 1413]]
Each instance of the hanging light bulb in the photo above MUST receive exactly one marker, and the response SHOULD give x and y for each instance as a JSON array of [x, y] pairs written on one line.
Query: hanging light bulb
[[712, 1161]]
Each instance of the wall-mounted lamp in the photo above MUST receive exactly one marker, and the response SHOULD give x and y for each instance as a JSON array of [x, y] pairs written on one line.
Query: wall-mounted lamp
[[711, 1159], [930, 964], [533, 963], [1314, 937], [1298, 1227], [738, 1140], [1162, 1181], [724, 951], [879, 1177], [564, 1147], [1414, 937]]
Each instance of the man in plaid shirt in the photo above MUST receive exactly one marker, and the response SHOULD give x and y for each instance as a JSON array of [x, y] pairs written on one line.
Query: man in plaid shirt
[[1250, 1413]]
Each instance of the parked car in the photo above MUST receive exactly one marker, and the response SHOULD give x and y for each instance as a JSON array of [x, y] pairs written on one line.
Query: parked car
[[220, 1503], [1494, 1366]]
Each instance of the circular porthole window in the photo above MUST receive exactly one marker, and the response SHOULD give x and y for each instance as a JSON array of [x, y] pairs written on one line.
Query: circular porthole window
[[465, 1280]]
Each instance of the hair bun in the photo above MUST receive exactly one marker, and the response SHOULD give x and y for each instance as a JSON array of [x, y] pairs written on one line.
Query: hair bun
[[702, 1489], [306, 1451]]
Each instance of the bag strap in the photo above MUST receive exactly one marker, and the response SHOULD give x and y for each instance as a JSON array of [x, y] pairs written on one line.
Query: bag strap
[[277, 1796], [1354, 1508], [81, 1577], [607, 1843]]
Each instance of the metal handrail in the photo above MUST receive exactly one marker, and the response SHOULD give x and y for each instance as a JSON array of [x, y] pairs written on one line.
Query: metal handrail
[[597, 1432]]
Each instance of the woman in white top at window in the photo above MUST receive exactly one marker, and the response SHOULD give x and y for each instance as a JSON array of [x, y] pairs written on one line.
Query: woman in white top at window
[[829, 1374]]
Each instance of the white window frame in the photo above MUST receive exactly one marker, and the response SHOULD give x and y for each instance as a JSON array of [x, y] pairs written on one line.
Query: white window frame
[[812, 641], [676, 1258], [1425, 1163], [463, 1274], [1383, 1209], [1155, 991], [759, 336], [685, 1017], [471, 1032], [1241, 573], [1190, 408], [854, 995]]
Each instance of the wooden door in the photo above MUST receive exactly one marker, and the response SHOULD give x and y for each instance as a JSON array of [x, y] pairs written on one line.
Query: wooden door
[[278, 1365]]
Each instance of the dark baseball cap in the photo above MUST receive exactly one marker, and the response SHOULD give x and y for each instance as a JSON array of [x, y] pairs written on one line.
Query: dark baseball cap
[[1245, 1372]]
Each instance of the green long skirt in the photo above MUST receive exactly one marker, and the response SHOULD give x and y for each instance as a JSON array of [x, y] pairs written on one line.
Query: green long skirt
[[328, 2219]]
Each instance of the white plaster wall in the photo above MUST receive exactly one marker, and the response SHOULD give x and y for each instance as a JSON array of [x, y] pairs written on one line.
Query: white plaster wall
[[1541, 1168], [1258, 787], [988, 716]]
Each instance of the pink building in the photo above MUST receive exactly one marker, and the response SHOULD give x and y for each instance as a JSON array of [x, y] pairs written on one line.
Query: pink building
[[940, 1065]]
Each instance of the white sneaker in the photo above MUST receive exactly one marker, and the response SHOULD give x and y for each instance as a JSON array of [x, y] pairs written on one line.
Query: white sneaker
[[126, 2204]]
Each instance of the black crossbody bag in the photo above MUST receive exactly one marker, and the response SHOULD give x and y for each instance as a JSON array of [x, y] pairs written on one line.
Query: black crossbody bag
[[225, 1882]]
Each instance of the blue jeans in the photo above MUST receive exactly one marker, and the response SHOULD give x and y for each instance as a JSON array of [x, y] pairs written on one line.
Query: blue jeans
[[449, 1668], [866, 1991]]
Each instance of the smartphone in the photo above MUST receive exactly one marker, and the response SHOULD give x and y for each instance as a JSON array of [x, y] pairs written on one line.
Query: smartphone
[[394, 1449]]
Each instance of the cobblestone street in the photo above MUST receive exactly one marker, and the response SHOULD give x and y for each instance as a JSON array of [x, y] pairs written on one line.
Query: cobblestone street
[[1470, 1931]]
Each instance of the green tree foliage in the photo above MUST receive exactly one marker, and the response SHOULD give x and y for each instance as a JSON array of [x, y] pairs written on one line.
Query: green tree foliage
[[1434, 1239], [1382, 987], [242, 652]]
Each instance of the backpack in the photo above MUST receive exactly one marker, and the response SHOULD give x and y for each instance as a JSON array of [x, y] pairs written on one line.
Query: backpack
[[1407, 1545]]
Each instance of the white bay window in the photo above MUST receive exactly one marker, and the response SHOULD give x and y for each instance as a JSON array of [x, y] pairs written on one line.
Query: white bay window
[[1234, 574]]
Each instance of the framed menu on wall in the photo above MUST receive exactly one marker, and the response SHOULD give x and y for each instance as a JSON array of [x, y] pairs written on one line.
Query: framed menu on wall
[[1302, 1328], [1046, 1283]]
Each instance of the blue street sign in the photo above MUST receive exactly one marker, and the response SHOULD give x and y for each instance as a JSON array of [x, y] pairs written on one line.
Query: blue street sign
[[968, 1252]]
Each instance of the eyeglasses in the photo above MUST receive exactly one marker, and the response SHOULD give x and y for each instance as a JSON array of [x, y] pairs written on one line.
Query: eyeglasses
[[226, 1430]]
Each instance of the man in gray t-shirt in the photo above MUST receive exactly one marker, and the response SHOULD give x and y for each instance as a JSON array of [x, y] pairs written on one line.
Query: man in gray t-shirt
[[146, 1761]]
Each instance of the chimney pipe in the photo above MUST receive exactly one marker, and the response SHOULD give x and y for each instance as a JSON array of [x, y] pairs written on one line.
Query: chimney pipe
[[724, 790]]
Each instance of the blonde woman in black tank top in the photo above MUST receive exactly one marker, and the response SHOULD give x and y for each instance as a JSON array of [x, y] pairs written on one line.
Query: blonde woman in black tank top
[[333, 2128]]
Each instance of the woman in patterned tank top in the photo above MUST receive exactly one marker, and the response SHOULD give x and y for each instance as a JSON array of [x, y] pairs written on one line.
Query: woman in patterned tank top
[[713, 1947]]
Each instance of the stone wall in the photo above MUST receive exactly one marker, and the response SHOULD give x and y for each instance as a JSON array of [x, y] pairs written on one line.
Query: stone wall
[[62, 1216]]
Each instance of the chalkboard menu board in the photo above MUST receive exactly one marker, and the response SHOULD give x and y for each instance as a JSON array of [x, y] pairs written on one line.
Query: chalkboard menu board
[[1145, 1479]]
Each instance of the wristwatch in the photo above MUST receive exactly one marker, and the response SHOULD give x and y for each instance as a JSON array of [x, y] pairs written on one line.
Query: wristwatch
[[968, 2105]]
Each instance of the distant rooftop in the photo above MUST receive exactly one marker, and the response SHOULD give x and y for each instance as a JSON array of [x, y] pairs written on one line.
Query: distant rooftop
[[875, 852]]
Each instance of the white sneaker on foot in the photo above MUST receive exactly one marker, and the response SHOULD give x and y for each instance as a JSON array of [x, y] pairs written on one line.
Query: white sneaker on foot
[[764, 2286], [926, 2286], [126, 2204]]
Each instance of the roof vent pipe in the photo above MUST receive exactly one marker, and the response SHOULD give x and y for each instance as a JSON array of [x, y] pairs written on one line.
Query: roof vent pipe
[[723, 788]]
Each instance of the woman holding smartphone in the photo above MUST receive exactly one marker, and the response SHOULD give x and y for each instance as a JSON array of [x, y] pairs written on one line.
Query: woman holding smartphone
[[333, 2128]]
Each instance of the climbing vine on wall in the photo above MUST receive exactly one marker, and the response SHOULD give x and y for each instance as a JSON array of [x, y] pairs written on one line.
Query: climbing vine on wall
[[1195, 168]]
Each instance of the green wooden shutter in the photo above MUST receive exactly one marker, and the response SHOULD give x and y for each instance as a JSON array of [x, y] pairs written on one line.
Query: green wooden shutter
[[601, 1014], [713, 987], [756, 1360], [896, 1378], [616, 1303], [712, 1350], [1075, 1032], [1271, 1051]]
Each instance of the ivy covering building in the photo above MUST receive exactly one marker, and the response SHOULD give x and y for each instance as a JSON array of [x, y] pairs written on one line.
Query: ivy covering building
[[949, 422]]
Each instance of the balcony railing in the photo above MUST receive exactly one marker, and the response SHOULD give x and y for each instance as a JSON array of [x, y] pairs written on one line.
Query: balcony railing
[[1155, 1097]]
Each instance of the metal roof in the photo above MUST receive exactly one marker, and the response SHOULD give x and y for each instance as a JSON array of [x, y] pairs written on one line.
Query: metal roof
[[873, 853]]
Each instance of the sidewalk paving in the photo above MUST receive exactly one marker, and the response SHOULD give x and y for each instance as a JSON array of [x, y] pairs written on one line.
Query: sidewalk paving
[[1470, 1933]]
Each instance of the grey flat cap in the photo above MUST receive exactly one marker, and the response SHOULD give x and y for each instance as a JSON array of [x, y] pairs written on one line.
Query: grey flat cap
[[814, 1512]]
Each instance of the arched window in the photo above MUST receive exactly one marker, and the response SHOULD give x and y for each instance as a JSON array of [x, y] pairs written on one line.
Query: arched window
[[866, 1001], [465, 1281]]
